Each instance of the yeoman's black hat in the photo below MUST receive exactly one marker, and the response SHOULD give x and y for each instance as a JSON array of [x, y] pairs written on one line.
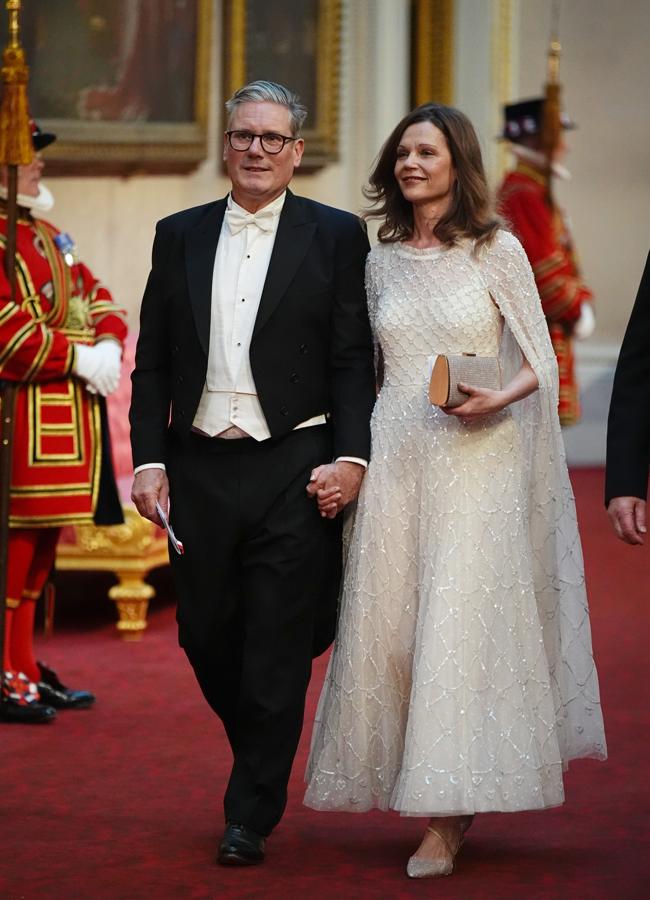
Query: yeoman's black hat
[[525, 118], [40, 139]]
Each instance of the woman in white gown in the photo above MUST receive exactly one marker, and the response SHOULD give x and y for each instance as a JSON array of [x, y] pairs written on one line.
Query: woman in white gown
[[462, 678]]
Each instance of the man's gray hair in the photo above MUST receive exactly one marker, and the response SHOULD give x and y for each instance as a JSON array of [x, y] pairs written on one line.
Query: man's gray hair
[[270, 92]]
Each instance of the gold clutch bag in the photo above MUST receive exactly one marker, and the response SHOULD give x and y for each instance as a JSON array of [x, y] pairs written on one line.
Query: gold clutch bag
[[479, 371]]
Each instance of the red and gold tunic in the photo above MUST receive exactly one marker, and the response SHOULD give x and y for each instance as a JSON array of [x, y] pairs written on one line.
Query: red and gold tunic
[[57, 439], [547, 242]]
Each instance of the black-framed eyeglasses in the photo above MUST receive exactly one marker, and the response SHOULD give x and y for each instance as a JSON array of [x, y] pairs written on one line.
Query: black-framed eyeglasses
[[270, 141]]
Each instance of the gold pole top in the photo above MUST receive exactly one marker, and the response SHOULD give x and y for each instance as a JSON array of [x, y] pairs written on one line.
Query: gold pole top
[[551, 123], [554, 47], [13, 8], [554, 51], [15, 133]]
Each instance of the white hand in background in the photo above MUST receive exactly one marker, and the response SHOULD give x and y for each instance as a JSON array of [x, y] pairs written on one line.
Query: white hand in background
[[586, 323], [99, 366]]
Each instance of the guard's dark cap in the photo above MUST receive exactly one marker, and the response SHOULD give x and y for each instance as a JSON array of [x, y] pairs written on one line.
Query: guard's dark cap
[[40, 139], [525, 117]]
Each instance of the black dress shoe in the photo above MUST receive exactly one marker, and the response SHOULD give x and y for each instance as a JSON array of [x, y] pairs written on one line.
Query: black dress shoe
[[20, 703], [25, 714], [240, 846], [58, 695]]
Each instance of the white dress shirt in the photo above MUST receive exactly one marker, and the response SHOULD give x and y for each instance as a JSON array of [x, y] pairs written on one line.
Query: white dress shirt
[[240, 266], [241, 263]]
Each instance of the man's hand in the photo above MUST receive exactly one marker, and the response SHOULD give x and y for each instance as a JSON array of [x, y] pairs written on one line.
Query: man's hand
[[335, 485], [628, 518], [150, 485]]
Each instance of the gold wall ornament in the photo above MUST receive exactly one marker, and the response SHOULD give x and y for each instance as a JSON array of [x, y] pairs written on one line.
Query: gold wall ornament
[[432, 51], [130, 552], [297, 45]]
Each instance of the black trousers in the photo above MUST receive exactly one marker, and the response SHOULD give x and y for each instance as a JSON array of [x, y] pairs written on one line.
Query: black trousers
[[257, 590]]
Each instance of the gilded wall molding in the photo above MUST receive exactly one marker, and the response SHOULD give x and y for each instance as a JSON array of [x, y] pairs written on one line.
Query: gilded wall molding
[[432, 42], [501, 68]]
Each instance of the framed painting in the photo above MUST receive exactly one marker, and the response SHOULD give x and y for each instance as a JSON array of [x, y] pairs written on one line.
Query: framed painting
[[123, 83], [298, 45]]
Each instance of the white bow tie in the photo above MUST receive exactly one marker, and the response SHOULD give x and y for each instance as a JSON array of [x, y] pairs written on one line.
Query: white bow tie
[[237, 219]]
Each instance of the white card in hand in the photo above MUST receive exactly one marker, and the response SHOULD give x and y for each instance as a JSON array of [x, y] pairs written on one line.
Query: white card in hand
[[176, 544]]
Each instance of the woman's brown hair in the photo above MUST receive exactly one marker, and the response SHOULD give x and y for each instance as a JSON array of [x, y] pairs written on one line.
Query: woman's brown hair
[[470, 214]]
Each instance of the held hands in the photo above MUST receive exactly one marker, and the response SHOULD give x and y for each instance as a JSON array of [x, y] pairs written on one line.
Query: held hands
[[335, 485], [150, 485], [99, 366], [480, 402], [628, 518]]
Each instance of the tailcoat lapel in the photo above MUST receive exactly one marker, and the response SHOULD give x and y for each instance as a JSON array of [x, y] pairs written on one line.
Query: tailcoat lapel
[[200, 249], [296, 230]]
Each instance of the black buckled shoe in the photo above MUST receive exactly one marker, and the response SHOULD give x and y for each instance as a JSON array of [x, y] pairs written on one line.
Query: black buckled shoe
[[240, 846], [29, 714], [20, 702], [58, 695]]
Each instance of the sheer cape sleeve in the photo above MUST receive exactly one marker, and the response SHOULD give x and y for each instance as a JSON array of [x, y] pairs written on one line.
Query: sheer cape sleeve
[[557, 553], [373, 265]]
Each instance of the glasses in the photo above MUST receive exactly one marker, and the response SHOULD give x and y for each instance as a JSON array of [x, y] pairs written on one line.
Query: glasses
[[270, 141]]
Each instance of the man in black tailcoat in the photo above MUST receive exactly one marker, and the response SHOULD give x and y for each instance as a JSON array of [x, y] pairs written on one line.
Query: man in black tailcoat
[[628, 431], [254, 377]]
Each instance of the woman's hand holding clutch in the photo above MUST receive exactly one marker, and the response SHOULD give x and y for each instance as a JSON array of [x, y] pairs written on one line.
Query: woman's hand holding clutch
[[485, 401], [480, 402]]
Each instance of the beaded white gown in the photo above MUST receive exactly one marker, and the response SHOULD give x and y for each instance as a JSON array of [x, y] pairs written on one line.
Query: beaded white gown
[[457, 683]]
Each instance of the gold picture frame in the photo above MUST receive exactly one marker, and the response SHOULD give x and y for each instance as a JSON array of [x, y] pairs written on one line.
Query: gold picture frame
[[296, 45], [124, 85]]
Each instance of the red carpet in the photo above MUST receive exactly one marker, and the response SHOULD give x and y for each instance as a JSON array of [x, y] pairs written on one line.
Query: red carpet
[[123, 802]]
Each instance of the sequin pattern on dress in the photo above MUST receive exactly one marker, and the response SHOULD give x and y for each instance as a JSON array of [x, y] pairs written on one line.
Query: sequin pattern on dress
[[443, 693]]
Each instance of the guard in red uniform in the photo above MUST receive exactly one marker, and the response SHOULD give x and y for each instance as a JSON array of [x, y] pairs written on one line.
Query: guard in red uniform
[[61, 342], [543, 232]]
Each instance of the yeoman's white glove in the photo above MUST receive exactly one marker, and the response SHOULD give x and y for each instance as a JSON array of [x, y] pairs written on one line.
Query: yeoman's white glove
[[99, 366], [584, 327]]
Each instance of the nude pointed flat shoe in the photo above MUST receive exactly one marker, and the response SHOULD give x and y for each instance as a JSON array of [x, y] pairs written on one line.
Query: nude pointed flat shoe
[[420, 867]]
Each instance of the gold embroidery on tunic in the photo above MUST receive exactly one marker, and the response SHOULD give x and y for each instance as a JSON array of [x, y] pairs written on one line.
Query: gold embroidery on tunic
[[32, 305], [39, 399], [77, 318]]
